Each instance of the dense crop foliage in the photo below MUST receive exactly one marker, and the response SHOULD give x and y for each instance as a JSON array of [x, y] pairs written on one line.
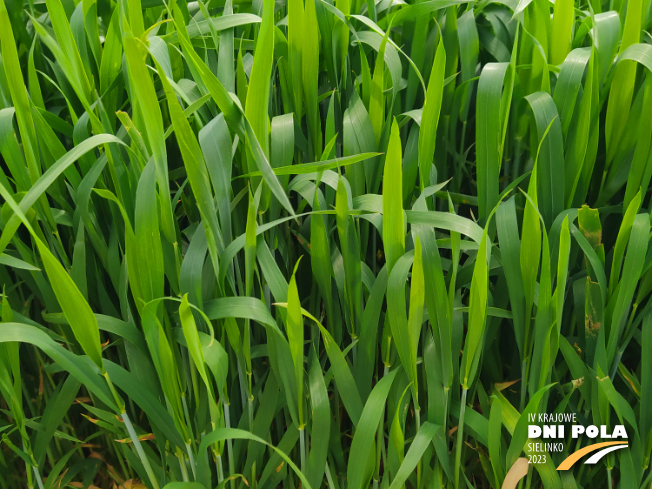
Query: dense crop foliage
[[322, 243]]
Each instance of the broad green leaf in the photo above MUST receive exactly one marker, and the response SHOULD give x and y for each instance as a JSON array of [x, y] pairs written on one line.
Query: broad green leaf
[[393, 220]]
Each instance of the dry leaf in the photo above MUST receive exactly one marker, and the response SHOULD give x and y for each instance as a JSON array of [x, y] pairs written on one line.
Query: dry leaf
[[516, 473], [148, 436], [504, 385]]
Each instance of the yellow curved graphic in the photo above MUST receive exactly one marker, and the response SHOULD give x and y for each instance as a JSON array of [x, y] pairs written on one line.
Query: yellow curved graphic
[[574, 457]]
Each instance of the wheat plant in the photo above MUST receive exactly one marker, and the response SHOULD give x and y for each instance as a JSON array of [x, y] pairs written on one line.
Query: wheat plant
[[322, 243]]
